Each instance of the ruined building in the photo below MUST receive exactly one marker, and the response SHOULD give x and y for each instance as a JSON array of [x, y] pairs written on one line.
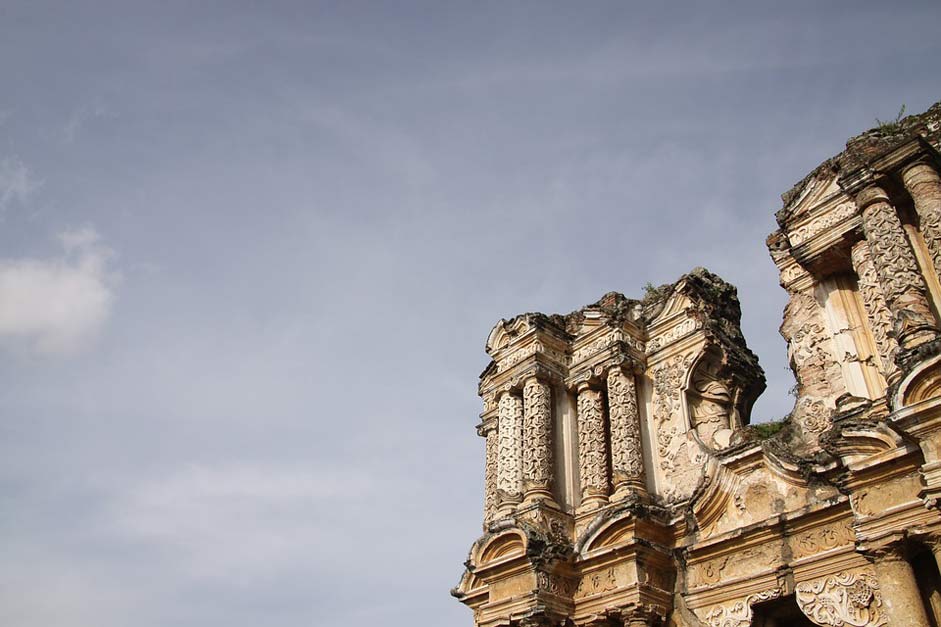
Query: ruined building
[[624, 484]]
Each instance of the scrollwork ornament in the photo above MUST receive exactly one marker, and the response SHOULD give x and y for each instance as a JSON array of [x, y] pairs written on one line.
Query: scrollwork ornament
[[904, 287], [537, 449], [510, 430], [490, 476], [842, 600], [877, 312], [739, 614], [592, 458], [626, 454], [924, 185]]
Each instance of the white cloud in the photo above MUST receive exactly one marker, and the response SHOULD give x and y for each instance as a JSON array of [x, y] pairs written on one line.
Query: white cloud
[[56, 306], [16, 182]]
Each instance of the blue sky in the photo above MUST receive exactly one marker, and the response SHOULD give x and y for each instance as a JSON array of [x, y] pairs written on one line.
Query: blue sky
[[250, 254]]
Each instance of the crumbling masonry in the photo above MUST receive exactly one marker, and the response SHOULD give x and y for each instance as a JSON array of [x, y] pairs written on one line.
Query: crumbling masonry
[[624, 484]]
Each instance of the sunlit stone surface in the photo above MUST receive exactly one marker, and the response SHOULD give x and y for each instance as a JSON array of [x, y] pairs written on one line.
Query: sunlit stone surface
[[624, 484]]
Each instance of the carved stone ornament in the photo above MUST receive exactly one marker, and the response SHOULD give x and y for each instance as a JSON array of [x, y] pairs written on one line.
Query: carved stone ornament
[[710, 402], [537, 427], [924, 184], [592, 458], [880, 318], [668, 382], [905, 289], [842, 600], [510, 430], [626, 455], [739, 614], [490, 476], [807, 231]]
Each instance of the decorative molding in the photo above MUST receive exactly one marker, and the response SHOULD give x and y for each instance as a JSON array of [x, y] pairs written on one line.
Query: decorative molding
[[739, 614], [831, 218], [687, 327], [843, 600]]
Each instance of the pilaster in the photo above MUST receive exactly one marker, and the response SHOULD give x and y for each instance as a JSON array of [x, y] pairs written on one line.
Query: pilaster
[[627, 462], [880, 318], [537, 441], [904, 287], [510, 461], [592, 450], [903, 603], [924, 185]]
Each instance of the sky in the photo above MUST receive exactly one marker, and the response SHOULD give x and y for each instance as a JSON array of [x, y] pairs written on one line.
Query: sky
[[250, 254]]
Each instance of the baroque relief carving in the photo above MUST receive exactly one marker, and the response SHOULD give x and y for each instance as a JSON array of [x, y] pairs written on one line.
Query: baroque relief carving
[[842, 600], [537, 429], [490, 476], [597, 582], [592, 455], [819, 379], [877, 312], [680, 331], [739, 614], [904, 287], [710, 403], [510, 430], [923, 182], [557, 585], [668, 384], [527, 351], [604, 342], [626, 455], [821, 539], [833, 217]]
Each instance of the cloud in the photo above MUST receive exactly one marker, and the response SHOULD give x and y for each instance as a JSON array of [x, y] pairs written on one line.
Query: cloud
[[58, 305], [17, 182], [80, 118]]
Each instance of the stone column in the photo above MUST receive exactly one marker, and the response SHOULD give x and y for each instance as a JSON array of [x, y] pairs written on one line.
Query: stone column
[[639, 616], [902, 283], [537, 441], [900, 594], [489, 431], [627, 462], [592, 453], [923, 183], [880, 319], [509, 457]]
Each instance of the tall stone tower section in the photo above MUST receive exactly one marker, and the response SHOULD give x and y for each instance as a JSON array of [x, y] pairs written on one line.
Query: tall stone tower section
[[624, 485]]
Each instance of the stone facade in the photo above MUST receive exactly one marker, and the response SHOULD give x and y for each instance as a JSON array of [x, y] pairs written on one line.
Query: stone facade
[[624, 485]]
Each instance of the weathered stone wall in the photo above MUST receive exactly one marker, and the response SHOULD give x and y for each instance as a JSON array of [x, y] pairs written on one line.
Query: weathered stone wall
[[624, 484]]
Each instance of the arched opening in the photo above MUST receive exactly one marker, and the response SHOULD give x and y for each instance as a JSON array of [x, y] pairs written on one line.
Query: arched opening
[[782, 612], [925, 567]]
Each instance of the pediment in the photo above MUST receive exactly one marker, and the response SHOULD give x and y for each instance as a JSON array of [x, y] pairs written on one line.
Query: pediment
[[677, 303], [504, 546], [817, 192], [616, 532], [505, 331]]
